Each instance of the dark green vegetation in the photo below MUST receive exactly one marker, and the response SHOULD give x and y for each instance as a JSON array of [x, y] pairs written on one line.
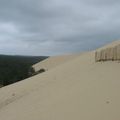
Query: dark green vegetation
[[16, 68], [32, 72]]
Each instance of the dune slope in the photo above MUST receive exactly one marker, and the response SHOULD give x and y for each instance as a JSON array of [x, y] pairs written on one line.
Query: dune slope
[[80, 89], [54, 61]]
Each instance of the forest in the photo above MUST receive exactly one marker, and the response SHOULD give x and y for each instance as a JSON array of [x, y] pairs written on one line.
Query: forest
[[16, 68]]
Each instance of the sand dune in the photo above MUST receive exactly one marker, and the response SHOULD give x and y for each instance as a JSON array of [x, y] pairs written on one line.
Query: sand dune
[[79, 89], [54, 61]]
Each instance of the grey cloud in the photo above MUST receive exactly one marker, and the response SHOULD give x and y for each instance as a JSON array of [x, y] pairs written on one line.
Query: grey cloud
[[103, 2], [49, 27]]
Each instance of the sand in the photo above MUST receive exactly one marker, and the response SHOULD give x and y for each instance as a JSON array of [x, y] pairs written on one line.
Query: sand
[[54, 61], [79, 89]]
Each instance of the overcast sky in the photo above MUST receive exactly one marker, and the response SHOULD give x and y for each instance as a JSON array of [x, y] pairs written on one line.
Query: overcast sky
[[52, 27]]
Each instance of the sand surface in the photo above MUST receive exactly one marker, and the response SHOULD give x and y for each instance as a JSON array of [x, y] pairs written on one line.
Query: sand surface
[[79, 89], [54, 61]]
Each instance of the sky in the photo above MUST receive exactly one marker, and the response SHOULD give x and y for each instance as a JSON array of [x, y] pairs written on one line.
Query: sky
[[54, 27]]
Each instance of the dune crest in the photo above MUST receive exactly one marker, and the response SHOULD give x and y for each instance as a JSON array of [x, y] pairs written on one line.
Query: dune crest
[[54, 61]]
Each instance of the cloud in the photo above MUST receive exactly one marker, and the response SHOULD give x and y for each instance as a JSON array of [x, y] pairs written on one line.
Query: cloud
[[50, 27]]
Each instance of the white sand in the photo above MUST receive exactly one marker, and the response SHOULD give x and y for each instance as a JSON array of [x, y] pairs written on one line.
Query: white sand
[[79, 89], [54, 61]]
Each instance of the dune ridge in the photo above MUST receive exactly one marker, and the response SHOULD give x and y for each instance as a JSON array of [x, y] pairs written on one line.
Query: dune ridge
[[54, 61]]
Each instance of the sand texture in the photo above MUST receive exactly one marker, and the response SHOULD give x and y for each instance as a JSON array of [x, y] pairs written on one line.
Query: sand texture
[[54, 61], [79, 89]]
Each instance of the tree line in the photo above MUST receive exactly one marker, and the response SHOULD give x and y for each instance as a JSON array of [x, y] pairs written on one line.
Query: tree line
[[16, 68]]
